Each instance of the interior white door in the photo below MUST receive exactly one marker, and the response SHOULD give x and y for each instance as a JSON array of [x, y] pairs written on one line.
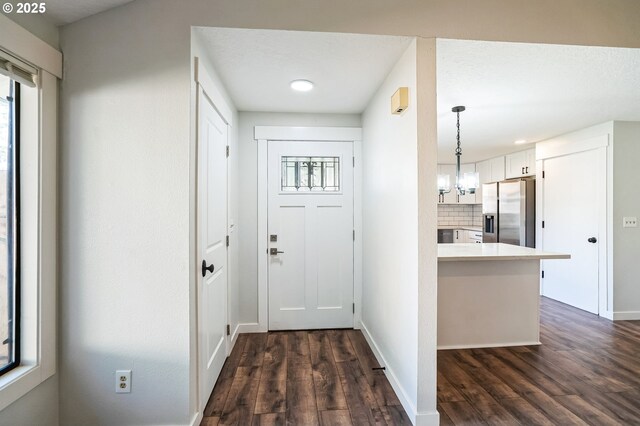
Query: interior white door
[[212, 227], [571, 209], [310, 226]]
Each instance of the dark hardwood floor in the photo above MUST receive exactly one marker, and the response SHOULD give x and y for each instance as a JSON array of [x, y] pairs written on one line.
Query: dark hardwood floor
[[587, 371], [303, 378]]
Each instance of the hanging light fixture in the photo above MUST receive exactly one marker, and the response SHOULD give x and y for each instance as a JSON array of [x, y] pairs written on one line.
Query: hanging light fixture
[[464, 183]]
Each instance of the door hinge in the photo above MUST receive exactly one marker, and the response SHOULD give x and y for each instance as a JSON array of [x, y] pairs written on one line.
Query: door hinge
[[354, 235], [227, 241], [228, 330], [227, 151], [543, 223], [543, 174], [542, 274], [354, 307], [354, 161]]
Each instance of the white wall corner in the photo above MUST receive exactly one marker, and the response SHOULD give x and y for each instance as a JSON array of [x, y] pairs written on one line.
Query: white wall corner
[[431, 418]]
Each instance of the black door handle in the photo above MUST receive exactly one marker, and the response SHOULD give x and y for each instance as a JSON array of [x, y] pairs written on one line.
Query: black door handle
[[523, 170], [592, 240], [206, 268]]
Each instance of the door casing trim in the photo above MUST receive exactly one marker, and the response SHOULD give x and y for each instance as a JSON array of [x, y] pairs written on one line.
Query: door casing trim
[[263, 134]]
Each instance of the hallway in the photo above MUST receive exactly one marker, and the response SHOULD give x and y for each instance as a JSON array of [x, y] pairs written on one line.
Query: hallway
[[303, 378]]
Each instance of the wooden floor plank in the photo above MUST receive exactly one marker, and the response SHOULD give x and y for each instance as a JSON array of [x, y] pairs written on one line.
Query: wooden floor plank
[[240, 404], [341, 346], [269, 419], [329, 393], [335, 418], [462, 413], [218, 397], [361, 400], [271, 397], [585, 410], [298, 356], [301, 403]]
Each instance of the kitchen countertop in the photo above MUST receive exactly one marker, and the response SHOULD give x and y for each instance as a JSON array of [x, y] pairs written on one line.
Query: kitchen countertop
[[468, 228], [492, 251]]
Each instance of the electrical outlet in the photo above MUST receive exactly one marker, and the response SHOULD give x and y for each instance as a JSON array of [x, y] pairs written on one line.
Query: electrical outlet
[[629, 222], [123, 381]]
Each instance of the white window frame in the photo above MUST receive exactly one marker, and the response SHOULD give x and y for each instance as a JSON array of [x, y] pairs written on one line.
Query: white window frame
[[38, 213]]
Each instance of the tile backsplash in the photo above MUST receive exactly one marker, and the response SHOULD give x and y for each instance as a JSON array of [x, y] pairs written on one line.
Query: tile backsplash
[[460, 214]]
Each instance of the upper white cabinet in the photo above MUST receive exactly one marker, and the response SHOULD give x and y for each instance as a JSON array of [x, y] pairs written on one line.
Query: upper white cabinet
[[520, 164], [489, 171], [497, 169]]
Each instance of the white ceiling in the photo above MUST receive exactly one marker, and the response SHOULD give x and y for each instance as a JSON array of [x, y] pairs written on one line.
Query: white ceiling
[[62, 12], [529, 91], [256, 67]]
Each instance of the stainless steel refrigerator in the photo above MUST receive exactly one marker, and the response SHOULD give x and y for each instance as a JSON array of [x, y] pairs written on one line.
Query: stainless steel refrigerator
[[509, 212]]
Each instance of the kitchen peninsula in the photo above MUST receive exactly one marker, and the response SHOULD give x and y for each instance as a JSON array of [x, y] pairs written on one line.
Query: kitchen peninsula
[[489, 295]]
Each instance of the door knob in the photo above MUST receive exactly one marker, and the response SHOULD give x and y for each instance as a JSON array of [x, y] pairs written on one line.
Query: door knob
[[206, 268], [592, 240], [274, 251]]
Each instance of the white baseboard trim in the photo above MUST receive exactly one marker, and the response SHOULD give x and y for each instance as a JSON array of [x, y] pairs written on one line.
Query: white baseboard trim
[[196, 419], [251, 327], [626, 315], [607, 315], [395, 384], [234, 337], [431, 418], [493, 345]]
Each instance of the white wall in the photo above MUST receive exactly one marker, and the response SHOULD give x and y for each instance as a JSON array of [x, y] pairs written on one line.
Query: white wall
[[125, 226], [37, 25], [38, 407], [626, 202], [427, 166], [390, 229], [248, 190]]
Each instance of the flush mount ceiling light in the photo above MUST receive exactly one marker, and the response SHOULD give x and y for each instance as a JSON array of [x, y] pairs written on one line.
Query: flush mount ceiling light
[[467, 183], [301, 85], [520, 142]]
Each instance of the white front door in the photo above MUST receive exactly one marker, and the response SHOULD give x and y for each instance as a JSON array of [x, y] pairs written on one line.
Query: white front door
[[212, 247], [310, 227], [571, 212]]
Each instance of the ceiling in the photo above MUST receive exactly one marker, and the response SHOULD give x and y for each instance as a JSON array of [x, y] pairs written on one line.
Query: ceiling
[[62, 12], [256, 67], [533, 92]]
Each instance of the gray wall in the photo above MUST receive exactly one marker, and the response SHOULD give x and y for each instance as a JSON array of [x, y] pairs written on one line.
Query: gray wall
[[626, 202]]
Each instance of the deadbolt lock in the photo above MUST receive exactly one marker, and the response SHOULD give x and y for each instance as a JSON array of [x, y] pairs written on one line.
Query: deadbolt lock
[[273, 238]]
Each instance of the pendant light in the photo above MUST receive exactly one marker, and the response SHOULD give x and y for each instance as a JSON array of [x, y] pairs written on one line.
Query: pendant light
[[464, 183]]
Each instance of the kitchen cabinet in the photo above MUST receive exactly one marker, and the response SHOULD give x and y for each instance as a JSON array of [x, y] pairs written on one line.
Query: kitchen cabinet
[[460, 236], [520, 164], [453, 197], [489, 171], [497, 168]]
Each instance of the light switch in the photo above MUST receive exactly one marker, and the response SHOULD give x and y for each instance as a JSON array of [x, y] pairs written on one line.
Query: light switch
[[629, 222]]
